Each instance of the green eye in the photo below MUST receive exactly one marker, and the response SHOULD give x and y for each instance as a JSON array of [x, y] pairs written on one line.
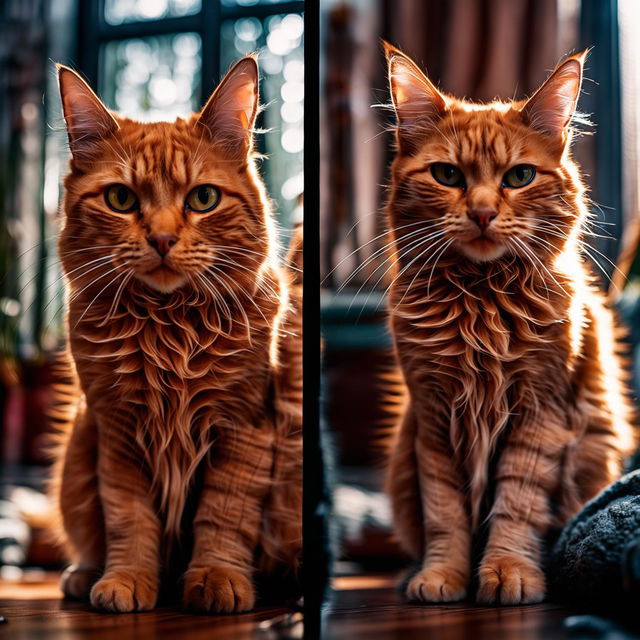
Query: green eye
[[121, 198], [447, 174], [519, 176], [203, 198]]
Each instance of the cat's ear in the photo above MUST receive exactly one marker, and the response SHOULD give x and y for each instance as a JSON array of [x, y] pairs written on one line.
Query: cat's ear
[[230, 113], [88, 120], [417, 102], [551, 107]]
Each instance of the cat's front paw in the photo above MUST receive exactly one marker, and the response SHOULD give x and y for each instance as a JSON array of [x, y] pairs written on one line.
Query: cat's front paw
[[76, 581], [510, 580], [122, 591], [437, 584], [218, 589]]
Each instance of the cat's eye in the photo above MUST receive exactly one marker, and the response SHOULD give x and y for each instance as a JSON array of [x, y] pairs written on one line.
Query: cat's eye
[[519, 176], [447, 174], [203, 198], [121, 198]]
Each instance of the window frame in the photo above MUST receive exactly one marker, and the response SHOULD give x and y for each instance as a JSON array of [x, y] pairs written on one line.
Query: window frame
[[94, 32]]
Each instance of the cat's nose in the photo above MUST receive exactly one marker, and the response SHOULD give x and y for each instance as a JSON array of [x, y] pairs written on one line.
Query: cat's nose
[[162, 242], [482, 217]]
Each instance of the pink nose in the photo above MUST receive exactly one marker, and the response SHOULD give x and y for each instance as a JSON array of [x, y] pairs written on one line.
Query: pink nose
[[482, 217], [162, 242]]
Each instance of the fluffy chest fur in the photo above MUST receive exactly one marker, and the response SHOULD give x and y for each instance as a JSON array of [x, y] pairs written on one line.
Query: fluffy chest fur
[[167, 377], [489, 350], [472, 319]]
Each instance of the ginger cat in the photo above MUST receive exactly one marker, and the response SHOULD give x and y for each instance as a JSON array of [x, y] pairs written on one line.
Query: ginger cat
[[181, 431], [518, 411]]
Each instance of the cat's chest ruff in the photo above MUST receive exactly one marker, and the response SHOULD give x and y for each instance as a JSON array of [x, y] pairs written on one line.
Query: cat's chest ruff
[[168, 353], [460, 322]]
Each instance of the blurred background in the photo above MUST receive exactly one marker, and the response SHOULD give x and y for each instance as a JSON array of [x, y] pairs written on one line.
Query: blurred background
[[150, 60], [479, 49]]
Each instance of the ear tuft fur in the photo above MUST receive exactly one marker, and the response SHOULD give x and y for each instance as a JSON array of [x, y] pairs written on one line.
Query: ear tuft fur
[[551, 108], [231, 111], [417, 102], [88, 120]]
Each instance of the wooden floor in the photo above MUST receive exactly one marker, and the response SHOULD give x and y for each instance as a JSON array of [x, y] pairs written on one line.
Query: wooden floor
[[35, 610], [362, 608], [370, 608]]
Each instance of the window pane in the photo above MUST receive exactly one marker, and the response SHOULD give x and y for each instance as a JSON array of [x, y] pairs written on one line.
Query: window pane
[[279, 41], [155, 78], [119, 11], [248, 3]]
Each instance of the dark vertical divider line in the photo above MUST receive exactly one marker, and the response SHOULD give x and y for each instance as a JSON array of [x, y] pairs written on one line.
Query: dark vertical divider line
[[91, 15], [314, 561], [210, 21]]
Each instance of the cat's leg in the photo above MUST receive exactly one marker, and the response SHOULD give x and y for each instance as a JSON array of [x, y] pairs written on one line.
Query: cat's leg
[[132, 527], [608, 436], [528, 473], [278, 559], [599, 462], [281, 533], [446, 567], [404, 490], [80, 508], [228, 521]]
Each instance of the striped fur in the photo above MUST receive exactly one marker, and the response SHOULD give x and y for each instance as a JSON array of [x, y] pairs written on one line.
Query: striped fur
[[188, 369], [518, 409]]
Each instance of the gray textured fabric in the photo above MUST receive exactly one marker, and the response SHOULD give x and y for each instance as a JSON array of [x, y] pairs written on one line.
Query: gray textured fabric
[[597, 556]]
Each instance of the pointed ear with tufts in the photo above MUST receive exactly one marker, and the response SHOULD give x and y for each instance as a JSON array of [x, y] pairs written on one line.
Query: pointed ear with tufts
[[551, 107], [88, 120], [417, 102], [230, 113]]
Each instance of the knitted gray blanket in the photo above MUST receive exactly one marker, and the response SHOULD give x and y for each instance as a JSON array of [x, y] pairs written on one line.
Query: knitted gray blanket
[[596, 559]]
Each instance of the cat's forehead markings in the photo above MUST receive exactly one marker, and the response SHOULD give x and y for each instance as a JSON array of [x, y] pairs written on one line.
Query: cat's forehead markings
[[499, 148], [165, 158], [480, 141], [158, 161]]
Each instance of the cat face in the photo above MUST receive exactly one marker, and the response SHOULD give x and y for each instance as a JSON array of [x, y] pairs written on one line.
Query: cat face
[[167, 204], [486, 180]]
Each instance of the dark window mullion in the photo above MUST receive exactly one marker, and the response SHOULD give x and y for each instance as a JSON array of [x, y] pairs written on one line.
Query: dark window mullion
[[206, 21], [90, 17], [163, 26], [210, 20], [261, 11]]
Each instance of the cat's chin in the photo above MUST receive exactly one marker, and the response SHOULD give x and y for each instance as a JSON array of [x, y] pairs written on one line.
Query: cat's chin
[[163, 279], [482, 249]]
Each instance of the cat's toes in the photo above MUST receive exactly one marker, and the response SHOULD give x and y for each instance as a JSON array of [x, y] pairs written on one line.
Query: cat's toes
[[76, 581], [509, 580], [121, 591], [437, 584], [218, 590]]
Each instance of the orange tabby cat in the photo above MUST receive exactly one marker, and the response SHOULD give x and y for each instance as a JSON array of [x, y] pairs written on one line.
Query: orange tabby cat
[[185, 348], [517, 412]]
